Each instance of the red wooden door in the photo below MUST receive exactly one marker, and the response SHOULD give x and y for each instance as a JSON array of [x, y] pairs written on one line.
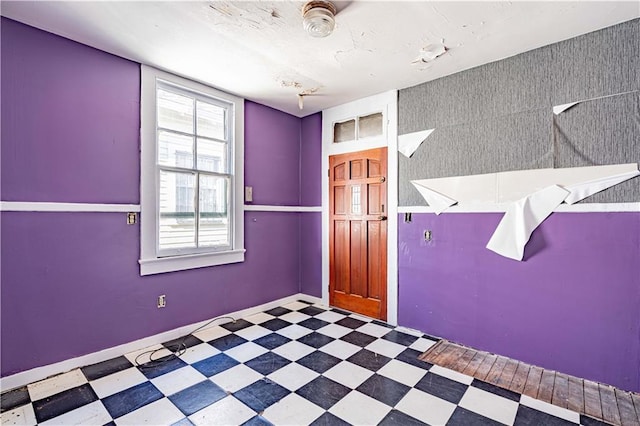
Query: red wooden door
[[358, 232]]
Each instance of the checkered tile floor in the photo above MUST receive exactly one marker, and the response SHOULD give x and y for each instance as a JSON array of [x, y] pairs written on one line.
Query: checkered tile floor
[[297, 364]]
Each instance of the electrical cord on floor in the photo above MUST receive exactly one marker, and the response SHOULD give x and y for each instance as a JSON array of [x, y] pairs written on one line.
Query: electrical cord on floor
[[176, 351]]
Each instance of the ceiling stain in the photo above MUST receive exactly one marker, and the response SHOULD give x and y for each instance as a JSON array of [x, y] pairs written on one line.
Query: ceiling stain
[[250, 48], [290, 83], [246, 15], [221, 8], [308, 92], [431, 52]]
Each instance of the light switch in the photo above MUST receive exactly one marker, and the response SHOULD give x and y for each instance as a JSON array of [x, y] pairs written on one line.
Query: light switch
[[248, 194]]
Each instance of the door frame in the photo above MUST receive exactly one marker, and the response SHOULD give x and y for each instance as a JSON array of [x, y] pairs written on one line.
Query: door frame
[[387, 103]]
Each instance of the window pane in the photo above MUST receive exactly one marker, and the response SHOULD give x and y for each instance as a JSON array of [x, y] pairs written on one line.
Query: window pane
[[356, 204], [344, 131], [175, 111], [175, 150], [177, 227], [212, 156], [370, 125], [214, 219], [210, 120]]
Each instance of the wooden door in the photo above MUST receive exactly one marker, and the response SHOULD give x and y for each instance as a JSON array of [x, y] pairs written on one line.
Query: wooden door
[[358, 232]]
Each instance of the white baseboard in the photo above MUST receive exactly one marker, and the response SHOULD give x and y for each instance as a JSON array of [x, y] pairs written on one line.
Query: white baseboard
[[39, 373]]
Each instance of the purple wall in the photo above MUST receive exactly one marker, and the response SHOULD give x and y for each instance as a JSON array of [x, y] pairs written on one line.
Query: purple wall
[[65, 295], [310, 160], [70, 281], [67, 142], [572, 305], [311, 195], [274, 153], [70, 119]]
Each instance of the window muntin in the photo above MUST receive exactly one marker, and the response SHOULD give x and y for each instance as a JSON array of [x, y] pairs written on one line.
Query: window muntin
[[194, 172], [192, 138]]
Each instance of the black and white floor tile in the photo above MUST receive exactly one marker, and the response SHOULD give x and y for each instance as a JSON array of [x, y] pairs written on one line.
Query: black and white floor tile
[[297, 364]]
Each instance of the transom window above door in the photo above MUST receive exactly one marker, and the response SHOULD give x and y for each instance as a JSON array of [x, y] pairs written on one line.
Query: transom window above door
[[360, 127]]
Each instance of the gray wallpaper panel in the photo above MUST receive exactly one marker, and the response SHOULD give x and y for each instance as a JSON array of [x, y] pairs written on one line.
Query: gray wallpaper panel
[[508, 86], [601, 63], [603, 131], [513, 142], [498, 117]]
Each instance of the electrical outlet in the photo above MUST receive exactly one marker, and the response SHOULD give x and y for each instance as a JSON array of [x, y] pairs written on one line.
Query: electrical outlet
[[132, 218], [162, 301]]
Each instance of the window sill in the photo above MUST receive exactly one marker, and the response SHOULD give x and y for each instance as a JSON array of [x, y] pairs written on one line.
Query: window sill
[[192, 261]]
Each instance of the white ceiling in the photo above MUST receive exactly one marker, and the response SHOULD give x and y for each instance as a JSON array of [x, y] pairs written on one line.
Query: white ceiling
[[258, 50]]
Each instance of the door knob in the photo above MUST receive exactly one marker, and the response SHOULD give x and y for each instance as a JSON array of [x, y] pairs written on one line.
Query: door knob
[[382, 218], [383, 179]]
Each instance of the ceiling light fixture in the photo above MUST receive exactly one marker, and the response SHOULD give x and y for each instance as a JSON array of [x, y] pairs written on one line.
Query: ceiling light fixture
[[319, 18], [304, 93]]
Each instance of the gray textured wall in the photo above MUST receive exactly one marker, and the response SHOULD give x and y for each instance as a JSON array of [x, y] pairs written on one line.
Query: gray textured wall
[[498, 117]]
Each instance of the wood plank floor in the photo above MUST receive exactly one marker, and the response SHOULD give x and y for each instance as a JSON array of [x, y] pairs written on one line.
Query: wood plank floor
[[602, 402]]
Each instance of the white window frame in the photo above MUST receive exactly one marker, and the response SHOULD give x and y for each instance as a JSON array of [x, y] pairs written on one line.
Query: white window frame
[[150, 261]]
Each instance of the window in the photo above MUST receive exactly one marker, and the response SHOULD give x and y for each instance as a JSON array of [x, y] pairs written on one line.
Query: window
[[364, 126], [192, 175]]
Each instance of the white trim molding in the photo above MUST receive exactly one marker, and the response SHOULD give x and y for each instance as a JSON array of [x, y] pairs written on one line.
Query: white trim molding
[[39, 373], [387, 103], [501, 208], [36, 206], [188, 261], [152, 259], [392, 201], [292, 209]]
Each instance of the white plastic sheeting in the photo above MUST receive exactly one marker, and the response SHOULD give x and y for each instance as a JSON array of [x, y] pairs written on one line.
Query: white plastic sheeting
[[522, 218], [531, 196], [409, 143]]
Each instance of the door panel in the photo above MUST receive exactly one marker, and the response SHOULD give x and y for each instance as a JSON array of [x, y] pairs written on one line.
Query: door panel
[[373, 253], [357, 284], [375, 199], [339, 273], [358, 232], [339, 205], [375, 168], [357, 171], [339, 172]]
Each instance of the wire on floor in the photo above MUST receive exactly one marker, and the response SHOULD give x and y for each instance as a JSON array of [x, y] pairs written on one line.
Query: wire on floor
[[176, 351]]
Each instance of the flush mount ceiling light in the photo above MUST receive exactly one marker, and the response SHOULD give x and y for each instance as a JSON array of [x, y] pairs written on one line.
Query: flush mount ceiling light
[[318, 18]]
